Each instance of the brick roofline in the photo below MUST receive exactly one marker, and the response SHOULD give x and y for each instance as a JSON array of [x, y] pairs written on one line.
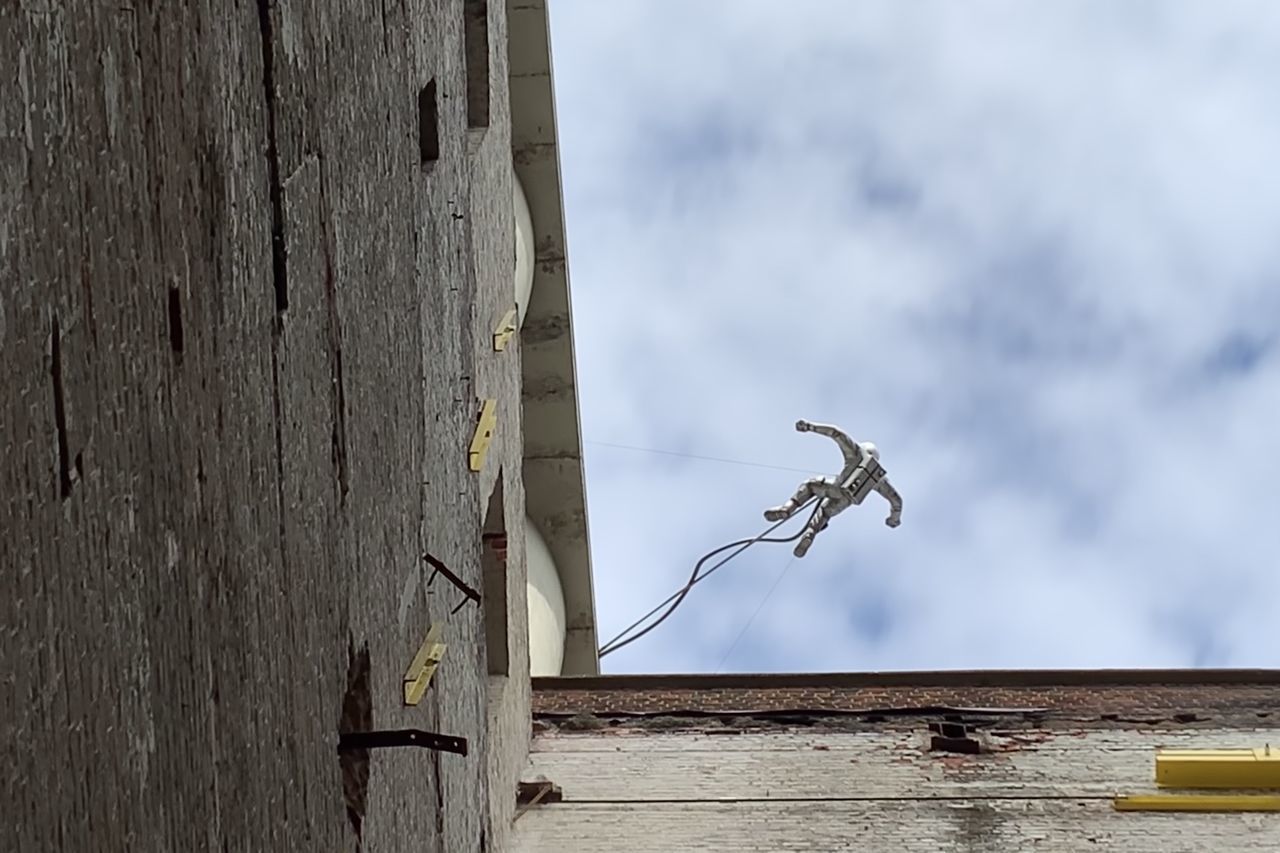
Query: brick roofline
[[939, 678], [1166, 693]]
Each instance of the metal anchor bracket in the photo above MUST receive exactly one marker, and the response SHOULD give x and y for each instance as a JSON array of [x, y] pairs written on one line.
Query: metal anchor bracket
[[437, 567], [351, 741]]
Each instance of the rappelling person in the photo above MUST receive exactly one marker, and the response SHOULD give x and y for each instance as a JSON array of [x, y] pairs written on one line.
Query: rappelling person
[[862, 474]]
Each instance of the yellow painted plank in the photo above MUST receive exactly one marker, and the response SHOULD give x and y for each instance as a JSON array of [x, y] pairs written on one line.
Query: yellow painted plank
[[418, 676], [483, 435], [1218, 768], [506, 329], [1197, 803]]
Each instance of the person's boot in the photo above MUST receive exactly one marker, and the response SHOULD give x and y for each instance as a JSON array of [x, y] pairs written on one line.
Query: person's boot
[[777, 513], [802, 547]]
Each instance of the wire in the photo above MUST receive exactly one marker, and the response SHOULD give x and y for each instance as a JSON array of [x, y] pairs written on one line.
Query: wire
[[759, 607], [678, 597], [703, 458]]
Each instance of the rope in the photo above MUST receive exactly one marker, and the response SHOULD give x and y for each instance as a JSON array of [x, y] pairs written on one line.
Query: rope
[[697, 576]]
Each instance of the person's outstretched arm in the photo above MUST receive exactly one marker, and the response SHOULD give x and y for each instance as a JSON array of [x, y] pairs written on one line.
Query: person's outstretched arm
[[852, 452]]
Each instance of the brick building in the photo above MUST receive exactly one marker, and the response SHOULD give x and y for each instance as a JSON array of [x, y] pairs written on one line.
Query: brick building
[[283, 308], [954, 761]]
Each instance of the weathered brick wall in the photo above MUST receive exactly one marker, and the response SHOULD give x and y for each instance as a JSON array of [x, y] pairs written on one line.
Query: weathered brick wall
[[250, 256], [849, 762], [875, 826], [634, 787], [497, 376]]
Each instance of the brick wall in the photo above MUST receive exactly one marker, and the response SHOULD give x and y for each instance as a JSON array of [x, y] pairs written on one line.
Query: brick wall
[[637, 764]]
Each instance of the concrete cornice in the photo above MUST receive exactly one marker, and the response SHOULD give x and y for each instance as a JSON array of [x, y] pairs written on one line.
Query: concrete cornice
[[553, 473]]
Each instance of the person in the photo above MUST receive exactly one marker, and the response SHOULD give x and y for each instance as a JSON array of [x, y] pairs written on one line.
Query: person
[[862, 474]]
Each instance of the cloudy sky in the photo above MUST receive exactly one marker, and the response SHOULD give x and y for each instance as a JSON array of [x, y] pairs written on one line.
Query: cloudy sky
[[1032, 250]]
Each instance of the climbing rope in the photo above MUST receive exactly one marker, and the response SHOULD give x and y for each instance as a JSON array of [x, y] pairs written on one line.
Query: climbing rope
[[697, 576]]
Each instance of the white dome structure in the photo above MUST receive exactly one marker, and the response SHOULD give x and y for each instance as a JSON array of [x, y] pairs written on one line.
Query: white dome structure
[[524, 249], [546, 606]]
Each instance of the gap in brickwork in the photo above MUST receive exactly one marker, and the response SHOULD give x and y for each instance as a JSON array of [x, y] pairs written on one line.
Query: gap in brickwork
[[357, 716], [60, 411], [175, 323], [476, 37], [493, 564], [279, 266], [428, 124]]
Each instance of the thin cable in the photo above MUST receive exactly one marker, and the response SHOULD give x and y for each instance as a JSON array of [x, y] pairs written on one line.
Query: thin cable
[[678, 597], [703, 458], [693, 580], [759, 607]]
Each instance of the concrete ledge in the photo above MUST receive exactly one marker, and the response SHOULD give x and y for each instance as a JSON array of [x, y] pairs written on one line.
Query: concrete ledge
[[553, 477]]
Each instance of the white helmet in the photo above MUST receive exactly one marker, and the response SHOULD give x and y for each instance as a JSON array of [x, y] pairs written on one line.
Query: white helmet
[[870, 449]]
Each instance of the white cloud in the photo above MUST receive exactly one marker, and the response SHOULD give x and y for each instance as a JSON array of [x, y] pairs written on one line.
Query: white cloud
[[1028, 249]]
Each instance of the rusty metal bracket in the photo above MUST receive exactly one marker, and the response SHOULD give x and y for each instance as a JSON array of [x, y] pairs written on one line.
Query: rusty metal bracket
[[437, 567], [530, 794], [352, 741], [541, 791]]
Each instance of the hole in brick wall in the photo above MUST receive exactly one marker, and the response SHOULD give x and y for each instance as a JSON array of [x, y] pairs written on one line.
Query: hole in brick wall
[[540, 791], [60, 410], [428, 124], [357, 716], [953, 737], [175, 323], [493, 565], [476, 36]]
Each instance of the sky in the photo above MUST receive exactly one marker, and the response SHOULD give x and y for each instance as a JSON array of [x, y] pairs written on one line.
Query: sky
[[1031, 250]]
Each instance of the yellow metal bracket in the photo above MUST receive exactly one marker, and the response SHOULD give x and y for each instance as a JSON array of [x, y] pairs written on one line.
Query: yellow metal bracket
[[418, 678], [1197, 803], [1218, 768], [506, 328], [484, 434]]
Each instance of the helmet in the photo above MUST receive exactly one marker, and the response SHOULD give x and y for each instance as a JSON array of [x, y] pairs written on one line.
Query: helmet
[[871, 450]]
